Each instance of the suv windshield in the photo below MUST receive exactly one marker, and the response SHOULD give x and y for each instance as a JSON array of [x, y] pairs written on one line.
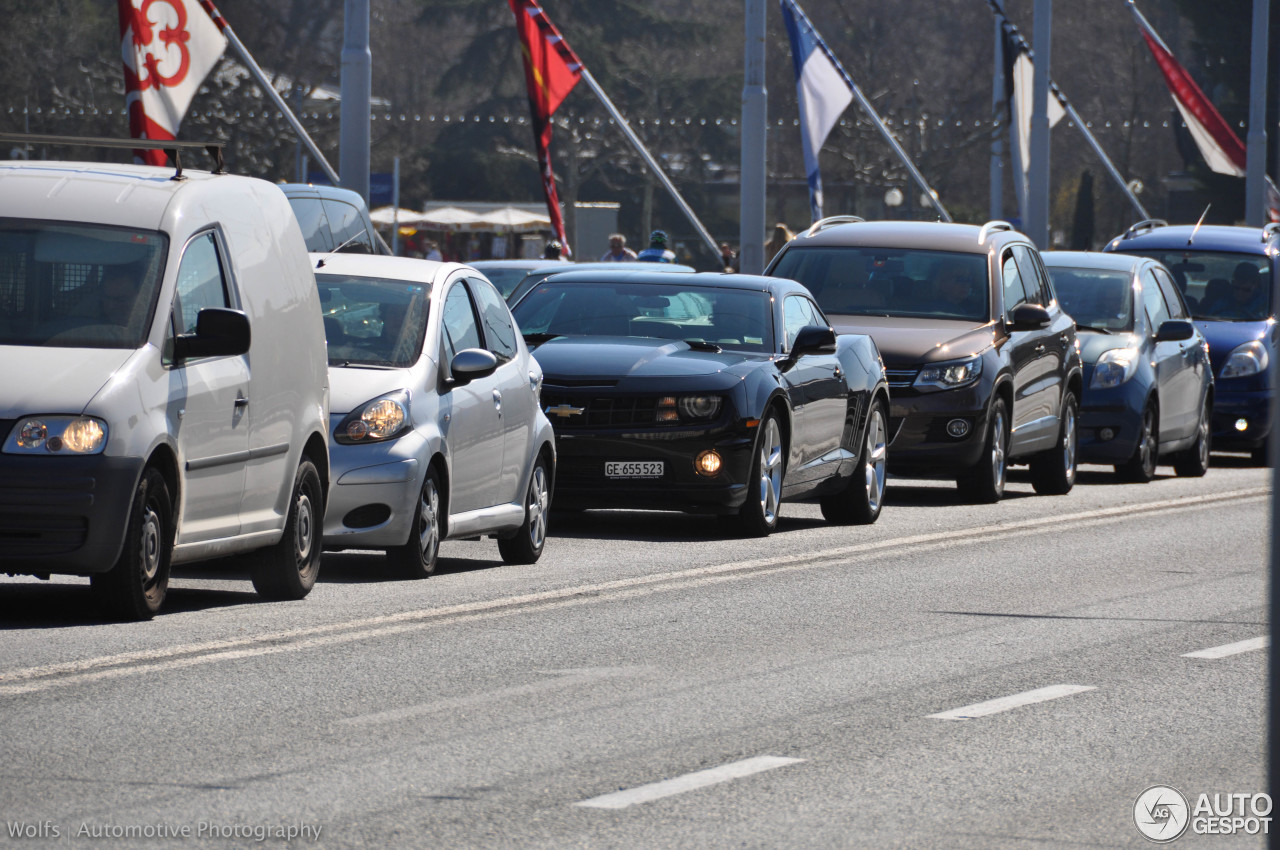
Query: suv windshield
[[1220, 286], [1095, 298], [891, 281], [729, 318], [373, 321], [77, 285]]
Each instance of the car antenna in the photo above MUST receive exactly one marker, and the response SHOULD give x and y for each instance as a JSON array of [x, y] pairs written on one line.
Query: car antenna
[[338, 250], [1198, 223]]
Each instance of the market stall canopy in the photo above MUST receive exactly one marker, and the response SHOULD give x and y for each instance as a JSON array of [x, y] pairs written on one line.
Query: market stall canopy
[[512, 219], [392, 215], [449, 218]]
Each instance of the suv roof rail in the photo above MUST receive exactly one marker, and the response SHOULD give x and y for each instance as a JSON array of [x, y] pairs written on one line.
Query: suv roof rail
[[991, 227], [1270, 231], [831, 221], [170, 146], [1143, 226]]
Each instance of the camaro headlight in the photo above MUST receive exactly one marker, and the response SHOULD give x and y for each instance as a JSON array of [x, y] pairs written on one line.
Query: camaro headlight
[[1113, 368], [950, 375], [684, 408], [1245, 360], [383, 418], [74, 435]]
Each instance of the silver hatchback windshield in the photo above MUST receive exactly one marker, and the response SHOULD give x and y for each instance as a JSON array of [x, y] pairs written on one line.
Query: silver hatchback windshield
[[77, 285], [373, 321]]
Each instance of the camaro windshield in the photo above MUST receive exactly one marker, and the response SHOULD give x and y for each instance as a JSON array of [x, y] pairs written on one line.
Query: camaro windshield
[[77, 285], [1221, 286], [729, 318], [1096, 298], [373, 321], [892, 281]]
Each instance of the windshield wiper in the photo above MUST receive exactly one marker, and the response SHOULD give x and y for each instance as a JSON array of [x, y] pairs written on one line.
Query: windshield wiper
[[539, 338], [703, 345], [347, 364], [1081, 327]]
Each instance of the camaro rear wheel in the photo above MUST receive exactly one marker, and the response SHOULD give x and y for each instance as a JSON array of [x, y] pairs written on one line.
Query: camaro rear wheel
[[984, 483], [758, 516], [418, 556], [288, 570], [135, 587], [860, 503], [1141, 466], [525, 546], [1053, 471], [1193, 462]]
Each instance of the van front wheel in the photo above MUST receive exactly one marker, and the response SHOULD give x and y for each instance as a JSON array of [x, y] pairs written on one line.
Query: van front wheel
[[135, 587], [288, 570]]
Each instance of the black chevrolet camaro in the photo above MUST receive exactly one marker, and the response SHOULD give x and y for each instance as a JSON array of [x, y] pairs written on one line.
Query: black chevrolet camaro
[[706, 393]]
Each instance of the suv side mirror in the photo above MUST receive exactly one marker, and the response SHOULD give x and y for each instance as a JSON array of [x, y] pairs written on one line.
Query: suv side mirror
[[219, 333], [470, 364], [1029, 317], [1175, 330], [814, 339]]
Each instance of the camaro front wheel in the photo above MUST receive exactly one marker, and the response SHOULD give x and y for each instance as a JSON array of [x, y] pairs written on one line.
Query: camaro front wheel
[[759, 514]]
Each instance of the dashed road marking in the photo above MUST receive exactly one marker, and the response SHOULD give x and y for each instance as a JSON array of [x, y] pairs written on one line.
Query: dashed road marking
[[1229, 649], [688, 782], [995, 706]]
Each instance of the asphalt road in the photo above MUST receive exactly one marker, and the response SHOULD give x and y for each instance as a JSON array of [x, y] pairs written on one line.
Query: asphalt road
[[953, 676]]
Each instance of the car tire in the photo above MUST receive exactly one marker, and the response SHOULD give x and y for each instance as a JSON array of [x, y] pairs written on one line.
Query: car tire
[[1193, 462], [984, 482], [288, 570], [758, 516], [417, 557], [526, 545], [862, 499], [1141, 466], [135, 587], [1053, 471]]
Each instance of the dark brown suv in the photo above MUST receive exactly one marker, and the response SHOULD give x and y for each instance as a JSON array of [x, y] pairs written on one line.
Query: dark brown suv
[[983, 365]]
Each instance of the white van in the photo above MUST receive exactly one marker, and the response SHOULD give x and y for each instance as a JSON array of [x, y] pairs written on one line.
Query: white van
[[163, 384]]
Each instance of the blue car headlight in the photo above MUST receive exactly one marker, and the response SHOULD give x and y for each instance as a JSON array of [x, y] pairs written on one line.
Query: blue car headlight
[[1245, 360], [950, 375], [57, 435], [1113, 368]]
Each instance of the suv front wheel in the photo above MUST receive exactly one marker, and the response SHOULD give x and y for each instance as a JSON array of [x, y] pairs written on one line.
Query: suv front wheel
[[1053, 471]]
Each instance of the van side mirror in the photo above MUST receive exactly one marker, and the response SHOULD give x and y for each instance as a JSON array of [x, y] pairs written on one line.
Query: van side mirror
[[1029, 317], [219, 333], [471, 364], [814, 339], [1175, 330]]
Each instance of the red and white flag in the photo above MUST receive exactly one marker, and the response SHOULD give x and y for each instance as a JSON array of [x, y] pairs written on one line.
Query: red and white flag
[[168, 47]]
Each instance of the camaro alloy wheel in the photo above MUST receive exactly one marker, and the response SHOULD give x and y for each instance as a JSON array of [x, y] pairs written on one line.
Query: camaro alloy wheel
[[288, 570], [525, 546], [759, 515], [984, 483], [417, 558], [135, 587], [1053, 472], [862, 501], [1141, 467]]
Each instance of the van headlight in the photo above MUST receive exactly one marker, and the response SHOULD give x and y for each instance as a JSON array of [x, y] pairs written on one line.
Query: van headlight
[[1113, 368], [950, 375], [57, 435], [1245, 360], [383, 418]]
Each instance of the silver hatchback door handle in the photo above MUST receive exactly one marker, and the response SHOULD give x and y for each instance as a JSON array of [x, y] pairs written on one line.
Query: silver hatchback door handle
[[497, 400]]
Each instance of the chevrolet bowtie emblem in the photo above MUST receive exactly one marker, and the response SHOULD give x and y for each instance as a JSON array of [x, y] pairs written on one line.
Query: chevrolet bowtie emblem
[[565, 410]]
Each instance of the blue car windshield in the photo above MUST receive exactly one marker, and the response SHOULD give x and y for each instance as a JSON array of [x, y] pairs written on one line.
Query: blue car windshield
[[371, 321], [1221, 286], [1095, 298], [731, 318], [78, 285], [893, 282]]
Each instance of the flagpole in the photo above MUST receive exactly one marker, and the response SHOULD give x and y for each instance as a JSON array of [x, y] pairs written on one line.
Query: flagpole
[[270, 89], [1256, 141], [997, 100], [649, 160], [752, 178]]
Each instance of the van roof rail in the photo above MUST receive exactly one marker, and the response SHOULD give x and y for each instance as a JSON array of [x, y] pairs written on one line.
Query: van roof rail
[[1270, 231], [1143, 226], [831, 221], [991, 227], [171, 147]]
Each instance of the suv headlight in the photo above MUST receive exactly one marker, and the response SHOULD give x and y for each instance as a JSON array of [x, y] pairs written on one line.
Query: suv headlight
[[57, 435], [949, 376], [377, 420], [1245, 360], [1113, 368]]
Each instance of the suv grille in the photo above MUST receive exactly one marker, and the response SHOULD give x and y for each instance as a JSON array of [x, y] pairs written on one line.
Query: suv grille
[[900, 378]]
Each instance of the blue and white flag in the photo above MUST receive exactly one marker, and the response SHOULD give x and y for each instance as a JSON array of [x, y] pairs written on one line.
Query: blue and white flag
[[823, 90]]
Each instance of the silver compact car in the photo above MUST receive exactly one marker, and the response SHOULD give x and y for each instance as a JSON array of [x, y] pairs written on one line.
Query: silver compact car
[[436, 428]]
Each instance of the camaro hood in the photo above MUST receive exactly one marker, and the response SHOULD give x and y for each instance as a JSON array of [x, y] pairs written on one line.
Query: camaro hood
[[350, 387], [1223, 337], [38, 379], [907, 342], [620, 358]]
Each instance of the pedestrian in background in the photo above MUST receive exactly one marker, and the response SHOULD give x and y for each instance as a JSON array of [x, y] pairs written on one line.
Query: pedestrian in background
[[618, 251], [657, 252], [781, 236], [728, 258]]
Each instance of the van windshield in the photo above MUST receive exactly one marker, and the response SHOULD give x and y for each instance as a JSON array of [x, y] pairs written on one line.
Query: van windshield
[[371, 321], [78, 285]]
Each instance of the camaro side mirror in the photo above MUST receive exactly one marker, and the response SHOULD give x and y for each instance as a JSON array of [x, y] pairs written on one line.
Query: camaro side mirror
[[1175, 330], [470, 364], [1029, 317], [814, 339], [219, 333]]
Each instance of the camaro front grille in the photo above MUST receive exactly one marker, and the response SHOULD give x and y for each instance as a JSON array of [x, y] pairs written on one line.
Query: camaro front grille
[[900, 378], [568, 412]]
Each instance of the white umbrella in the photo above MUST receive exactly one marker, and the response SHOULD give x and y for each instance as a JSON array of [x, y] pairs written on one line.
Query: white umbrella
[[512, 218], [392, 215], [448, 218]]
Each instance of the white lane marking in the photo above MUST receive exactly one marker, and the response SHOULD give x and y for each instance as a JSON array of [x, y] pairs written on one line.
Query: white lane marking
[[1231, 648], [995, 706], [32, 679], [688, 782]]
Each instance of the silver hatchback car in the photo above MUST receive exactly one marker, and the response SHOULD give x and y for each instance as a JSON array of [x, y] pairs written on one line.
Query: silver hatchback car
[[436, 428]]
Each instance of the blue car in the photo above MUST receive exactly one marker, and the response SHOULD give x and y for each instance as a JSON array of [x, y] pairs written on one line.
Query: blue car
[[1225, 274], [1148, 385]]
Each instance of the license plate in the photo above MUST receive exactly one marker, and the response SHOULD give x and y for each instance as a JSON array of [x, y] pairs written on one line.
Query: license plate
[[633, 469]]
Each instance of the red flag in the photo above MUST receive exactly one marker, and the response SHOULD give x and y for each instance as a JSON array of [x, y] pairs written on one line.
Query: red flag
[[551, 70], [168, 47]]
